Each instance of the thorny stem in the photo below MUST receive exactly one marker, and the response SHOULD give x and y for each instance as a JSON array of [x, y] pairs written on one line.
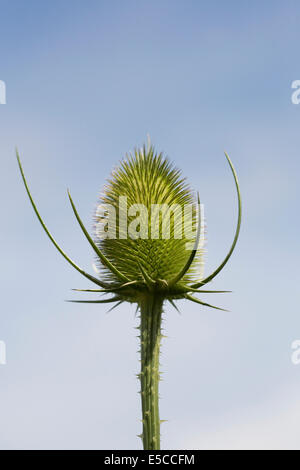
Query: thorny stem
[[150, 327]]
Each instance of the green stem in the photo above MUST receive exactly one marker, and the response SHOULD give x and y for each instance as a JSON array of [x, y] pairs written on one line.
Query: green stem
[[151, 314]]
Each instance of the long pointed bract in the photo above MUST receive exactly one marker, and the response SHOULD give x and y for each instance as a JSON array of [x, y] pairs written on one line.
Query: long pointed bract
[[200, 291], [209, 278], [90, 290], [193, 253], [103, 258], [197, 301], [88, 276], [149, 281], [115, 306], [106, 301]]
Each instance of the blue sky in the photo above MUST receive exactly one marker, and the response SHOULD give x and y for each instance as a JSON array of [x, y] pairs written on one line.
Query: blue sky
[[86, 81]]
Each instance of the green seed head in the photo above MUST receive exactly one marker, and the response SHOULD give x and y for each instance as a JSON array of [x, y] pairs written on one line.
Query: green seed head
[[151, 220]]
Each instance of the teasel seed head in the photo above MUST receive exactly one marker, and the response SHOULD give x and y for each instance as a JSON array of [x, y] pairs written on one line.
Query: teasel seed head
[[144, 257]]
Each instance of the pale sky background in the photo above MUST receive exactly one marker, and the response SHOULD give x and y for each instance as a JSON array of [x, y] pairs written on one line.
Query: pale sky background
[[86, 81]]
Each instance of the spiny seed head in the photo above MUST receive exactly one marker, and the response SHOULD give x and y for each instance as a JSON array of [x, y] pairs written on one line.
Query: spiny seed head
[[154, 236]]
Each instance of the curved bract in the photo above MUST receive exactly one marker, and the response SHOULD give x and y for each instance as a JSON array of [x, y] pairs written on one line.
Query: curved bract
[[237, 232], [88, 276]]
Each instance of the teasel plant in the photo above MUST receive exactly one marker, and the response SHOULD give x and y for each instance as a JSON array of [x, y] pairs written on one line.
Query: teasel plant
[[146, 270]]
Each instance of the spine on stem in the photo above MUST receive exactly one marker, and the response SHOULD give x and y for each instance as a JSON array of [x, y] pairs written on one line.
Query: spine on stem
[[150, 338]]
